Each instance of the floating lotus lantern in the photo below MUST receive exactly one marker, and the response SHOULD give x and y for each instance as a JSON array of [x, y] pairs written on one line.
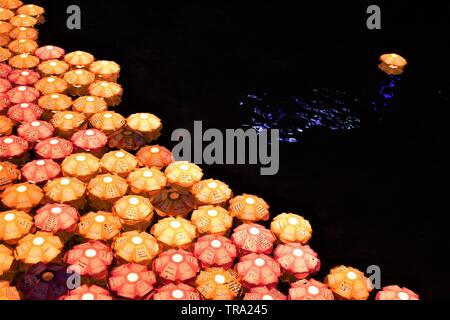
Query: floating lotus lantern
[[12, 147], [105, 70], [6, 126], [137, 247], [176, 266], [25, 112], [258, 270], [212, 220], [34, 11], [53, 67], [49, 52], [91, 259], [39, 247], [252, 237], [54, 148], [5, 27], [349, 283], [218, 284], [66, 123], [147, 124], [42, 170], [67, 190], [183, 174], [90, 105], [110, 91], [14, 225], [105, 189], [289, 227], [55, 102], [89, 140], [119, 162], [174, 232], [99, 225], [23, 196], [9, 174], [22, 20], [107, 121], [213, 192], [132, 281], [5, 70], [6, 14], [5, 54], [23, 94], [392, 63], [264, 293], [179, 291], [6, 259], [24, 61], [7, 292], [79, 59], [296, 260], [310, 290], [51, 85], [86, 292], [35, 131], [23, 46], [57, 218], [248, 207], [83, 166], [134, 211], [146, 180], [396, 293], [24, 33], [4, 102], [127, 140], [23, 77], [215, 251], [154, 156], [173, 202], [44, 282], [5, 85], [79, 81]]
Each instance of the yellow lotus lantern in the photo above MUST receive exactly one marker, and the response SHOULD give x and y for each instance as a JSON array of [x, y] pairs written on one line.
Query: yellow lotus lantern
[[174, 232], [349, 283], [53, 67], [105, 189], [107, 121], [79, 59], [134, 211], [219, 284], [68, 190], [119, 162], [100, 225], [22, 196], [211, 191], [14, 225], [7, 292], [136, 247], [90, 105], [183, 174], [6, 259], [105, 70], [248, 207], [289, 227], [212, 220], [66, 123], [147, 124], [83, 166], [39, 247], [146, 180]]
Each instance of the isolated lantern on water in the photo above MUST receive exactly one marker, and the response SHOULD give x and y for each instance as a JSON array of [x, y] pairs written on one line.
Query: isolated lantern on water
[[154, 156], [100, 225], [105, 70], [54, 148], [39, 247], [258, 270], [110, 91], [219, 284], [215, 251], [137, 247], [212, 220], [212, 192], [179, 291], [310, 290], [126, 139], [264, 293], [132, 281], [119, 162], [296, 260], [35, 131], [42, 170], [176, 266], [86, 292], [183, 174], [24, 61], [107, 121], [289, 227], [83, 166], [146, 181], [53, 67], [252, 237], [66, 123], [248, 207], [173, 202], [14, 225], [90, 105], [348, 283], [396, 293], [79, 59], [174, 232], [23, 77], [56, 217], [9, 174], [49, 52], [22, 196]]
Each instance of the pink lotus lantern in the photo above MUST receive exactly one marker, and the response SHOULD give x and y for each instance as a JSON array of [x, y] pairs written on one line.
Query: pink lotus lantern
[[310, 290], [176, 266], [56, 218], [5, 70], [12, 147], [49, 53], [258, 270], [297, 260], [264, 293], [25, 112], [154, 156], [90, 259], [215, 251], [89, 140], [38, 171], [54, 148], [179, 291], [252, 237], [35, 131], [86, 292], [23, 94], [24, 77], [5, 85], [132, 281], [4, 102], [396, 293]]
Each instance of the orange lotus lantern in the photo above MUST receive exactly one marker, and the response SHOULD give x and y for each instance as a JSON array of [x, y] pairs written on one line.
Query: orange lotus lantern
[[5, 85], [219, 284], [154, 156], [23, 196], [183, 174], [296, 260], [42, 170], [99, 225], [174, 232], [89, 140], [5, 54], [173, 202], [137, 247], [54, 148], [53, 67], [9, 174], [39, 247], [107, 121], [147, 124], [248, 207], [146, 180], [7, 292], [289, 227], [5, 14], [6, 259], [6, 126], [56, 218], [134, 211], [4, 102], [396, 293], [12, 147], [212, 220], [5, 27], [83, 166], [132, 280], [65, 190], [24, 33], [105, 70], [179, 291], [310, 290], [392, 63], [252, 237], [34, 11], [119, 162], [86, 292], [215, 251], [23, 46], [49, 52], [348, 283], [25, 112], [90, 105], [213, 192], [79, 81], [51, 85], [4, 39], [258, 270], [23, 77], [23, 94], [22, 20], [14, 225], [91, 259], [105, 189], [10, 4], [264, 293], [79, 59], [110, 91], [66, 123], [35, 131], [127, 140], [24, 61], [55, 102], [176, 266]]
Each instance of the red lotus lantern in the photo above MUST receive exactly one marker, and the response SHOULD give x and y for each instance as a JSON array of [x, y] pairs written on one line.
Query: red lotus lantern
[[264, 293], [5, 70], [258, 270], [49, 53], [297, 260], [23, 94], [25, 112], [56, 218], [178, 291], [4, 102], [132, 281], [24, 77], [35, 131], [12, 146], [154, 156], [54, 148], [176, 266], [310, 290], [89, 140], [86, 292], [215, 251], [252, 237], [42, 170], [396, 293]]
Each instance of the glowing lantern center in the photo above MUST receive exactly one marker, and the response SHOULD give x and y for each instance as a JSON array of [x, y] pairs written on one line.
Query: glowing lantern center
[[184, 167], [90, 99], [259, 262], [79, 53], [154, 150], [64, 182], [254, 231], [298, 252], [212, 185], [54, 142], [100, 218], [88, 296], [216, 244], [40, 162], [177, 258], [22, 89], [80, 158], [137, 240], [49, 48], [56, 210], [8, 140], [24, 105], [213, 213], [79, 72], [351, 275], [132, 277], [403, 296], [174, 196], [38, 241], [55, 96], [175, 224], [143, 116], [177, 294], [104, 63], [148, 174], [107, 116], [51, 80], [9, 217], [220, 279], [133, 201], [267, 297], [25, 73], [313, 290], [119, 154], [250, 201], [21, 189], [90, 253], [53, 64], [293, 221], [107, 179], [22, 40], [48, 276], [35, 124], [68, 116], [104, 84]]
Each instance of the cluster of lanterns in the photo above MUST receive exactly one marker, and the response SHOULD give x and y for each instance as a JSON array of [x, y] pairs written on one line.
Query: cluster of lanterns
[[82, 190]]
